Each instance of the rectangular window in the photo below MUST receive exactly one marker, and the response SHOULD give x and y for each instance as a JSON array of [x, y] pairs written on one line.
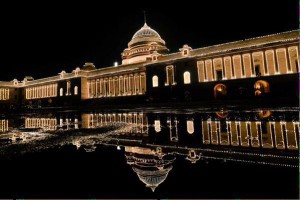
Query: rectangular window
[[219, 75], [264, 127], [284, 133], [265, 64], [44, 91], [252, 66], [238, 128], [259, 129], [223, 70], [272, 130], [170, 75], [223, 126], [243, 67], [276, 63], [248, 132], [210, 131], [257, 70]]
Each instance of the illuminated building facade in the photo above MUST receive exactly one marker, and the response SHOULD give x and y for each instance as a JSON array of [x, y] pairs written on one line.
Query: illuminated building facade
[[262, 67]]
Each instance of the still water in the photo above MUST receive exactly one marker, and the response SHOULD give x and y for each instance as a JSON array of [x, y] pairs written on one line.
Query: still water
[[150, 154]]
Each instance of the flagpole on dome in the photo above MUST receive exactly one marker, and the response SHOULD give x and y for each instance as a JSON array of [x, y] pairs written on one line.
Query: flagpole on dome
[[145, 19]]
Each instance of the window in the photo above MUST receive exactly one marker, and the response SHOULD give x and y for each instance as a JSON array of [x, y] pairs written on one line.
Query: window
[[157, 125], [186, 77], [155, 81], [233, 72], [170, 75], [185, 52], [248, 131], [190, 126], [219, 75], [266, 68], [75, 90], [252, 69], [257, 70], [220, 90], [264, 128], [258, 128], [205, 75], [68, 88], [61, 92]]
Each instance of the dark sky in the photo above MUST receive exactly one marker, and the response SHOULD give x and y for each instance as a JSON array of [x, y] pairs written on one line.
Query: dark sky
[[42, 39]]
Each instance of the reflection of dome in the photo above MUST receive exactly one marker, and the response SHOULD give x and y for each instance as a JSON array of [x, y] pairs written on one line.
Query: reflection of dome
[[144, 43], [151, 168], [154, 178]]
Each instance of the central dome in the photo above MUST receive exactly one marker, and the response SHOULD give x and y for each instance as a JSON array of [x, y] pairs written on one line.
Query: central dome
[[143, 44], [146, 31]]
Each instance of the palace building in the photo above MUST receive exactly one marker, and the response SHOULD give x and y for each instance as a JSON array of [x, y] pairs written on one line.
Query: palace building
[[252, 69]]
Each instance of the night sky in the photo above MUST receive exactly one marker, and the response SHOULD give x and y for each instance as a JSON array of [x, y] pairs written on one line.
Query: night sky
[[42, 39]]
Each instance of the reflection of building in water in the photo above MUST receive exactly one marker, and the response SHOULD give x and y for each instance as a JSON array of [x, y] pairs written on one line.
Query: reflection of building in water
[[3, 125], [136, 123], [151, 166], [45, 123], [52, 123], [172, 126], [266, 134], [4, 94]]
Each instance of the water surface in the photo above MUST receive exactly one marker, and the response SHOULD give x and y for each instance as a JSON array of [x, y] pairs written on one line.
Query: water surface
[[150, 153]]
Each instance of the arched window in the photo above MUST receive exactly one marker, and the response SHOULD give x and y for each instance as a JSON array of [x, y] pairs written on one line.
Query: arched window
[[157, 125], [61, 92], [75, 90], [190, 126], [187, 77], [154, 81], [220, 90]]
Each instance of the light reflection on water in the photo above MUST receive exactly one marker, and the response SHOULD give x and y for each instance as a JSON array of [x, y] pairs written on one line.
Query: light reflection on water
[[151, 141]]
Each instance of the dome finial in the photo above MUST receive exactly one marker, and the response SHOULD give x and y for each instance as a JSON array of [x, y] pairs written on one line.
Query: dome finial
[[152, 187]]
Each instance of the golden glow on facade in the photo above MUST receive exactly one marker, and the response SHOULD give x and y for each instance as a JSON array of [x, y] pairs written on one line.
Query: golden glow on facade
[[3, 125], [260, 63], [42, 91], [123, 85], [279, 135], [135, 122], [4, 94]]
